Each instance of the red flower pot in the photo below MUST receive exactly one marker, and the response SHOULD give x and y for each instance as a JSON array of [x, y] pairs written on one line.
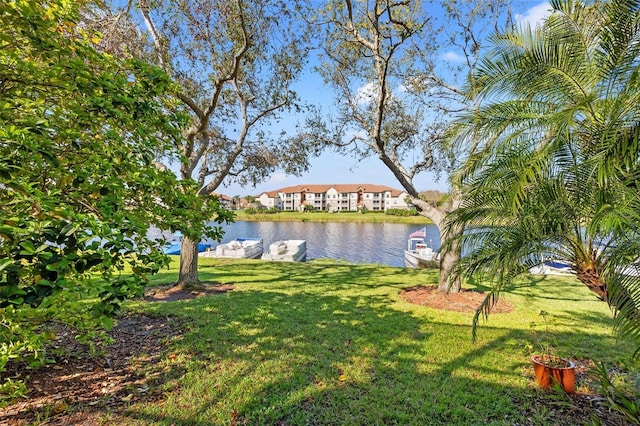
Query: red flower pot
[[560, 370]]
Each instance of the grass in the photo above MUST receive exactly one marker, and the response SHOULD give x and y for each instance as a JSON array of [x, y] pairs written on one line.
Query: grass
[[334, 344], [368, 217]]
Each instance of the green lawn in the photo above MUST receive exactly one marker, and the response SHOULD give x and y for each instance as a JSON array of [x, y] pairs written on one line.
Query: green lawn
[[368, 217], [334, 344]]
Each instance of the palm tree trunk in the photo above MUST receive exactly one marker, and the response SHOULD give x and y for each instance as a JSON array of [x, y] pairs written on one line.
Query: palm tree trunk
[[188, 275], [591, 277]]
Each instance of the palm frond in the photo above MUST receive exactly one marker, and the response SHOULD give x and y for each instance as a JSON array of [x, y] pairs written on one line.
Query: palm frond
[[556, 169]]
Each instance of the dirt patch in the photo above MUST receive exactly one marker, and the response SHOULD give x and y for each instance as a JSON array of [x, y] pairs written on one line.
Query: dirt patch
[[463, 301], [80, 388], [173, 293]]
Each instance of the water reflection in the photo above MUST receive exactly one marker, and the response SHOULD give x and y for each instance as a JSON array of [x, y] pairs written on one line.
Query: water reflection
[[382, 243]]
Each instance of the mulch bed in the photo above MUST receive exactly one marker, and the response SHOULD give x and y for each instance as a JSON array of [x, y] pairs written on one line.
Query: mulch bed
[[173, 293], [463, 301], [80, 389]]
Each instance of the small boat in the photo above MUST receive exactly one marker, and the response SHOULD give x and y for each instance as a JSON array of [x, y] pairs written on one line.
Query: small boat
[[287, 250], [418, 254], [559, 267], [175, 244], [241, 248], [632, 270], [552, 267]]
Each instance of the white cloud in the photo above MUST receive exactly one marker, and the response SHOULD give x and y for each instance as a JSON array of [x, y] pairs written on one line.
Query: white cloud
[[453, 57], [534, 16], [366, 93], [277, 178]]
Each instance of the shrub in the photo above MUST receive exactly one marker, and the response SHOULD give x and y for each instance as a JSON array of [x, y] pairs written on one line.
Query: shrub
[[79, 135], [402, 212]]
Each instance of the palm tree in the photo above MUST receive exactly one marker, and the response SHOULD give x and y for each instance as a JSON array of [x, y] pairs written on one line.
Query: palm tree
[[558, 175]]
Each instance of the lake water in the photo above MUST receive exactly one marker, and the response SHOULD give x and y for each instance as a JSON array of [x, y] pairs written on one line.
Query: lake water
[[382, 243]]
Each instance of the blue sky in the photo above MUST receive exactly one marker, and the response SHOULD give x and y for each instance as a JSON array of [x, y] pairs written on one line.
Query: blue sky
[[332, 168]]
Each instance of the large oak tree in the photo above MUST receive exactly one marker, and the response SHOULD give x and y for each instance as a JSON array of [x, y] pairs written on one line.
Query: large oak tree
[[396, 93], [235, 62]]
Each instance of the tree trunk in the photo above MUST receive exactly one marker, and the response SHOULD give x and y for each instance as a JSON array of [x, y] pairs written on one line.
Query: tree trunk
[[188, 275], [449, 257], [592, 278], [449, 281]]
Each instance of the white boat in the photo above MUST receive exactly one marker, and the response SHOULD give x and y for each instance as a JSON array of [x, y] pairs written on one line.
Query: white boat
[[418, 254], [632, 270], [552, 267], [287, 250], [241, 248], [557, 267]]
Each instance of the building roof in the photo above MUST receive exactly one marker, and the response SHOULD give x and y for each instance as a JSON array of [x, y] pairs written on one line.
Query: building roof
[[341, 188], [222, 196]]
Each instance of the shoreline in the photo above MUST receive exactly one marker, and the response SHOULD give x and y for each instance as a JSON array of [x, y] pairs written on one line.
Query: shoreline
[[355, 217]]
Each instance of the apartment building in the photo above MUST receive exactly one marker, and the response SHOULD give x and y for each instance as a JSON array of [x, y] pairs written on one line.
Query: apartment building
[[335, 198], [227, 202]]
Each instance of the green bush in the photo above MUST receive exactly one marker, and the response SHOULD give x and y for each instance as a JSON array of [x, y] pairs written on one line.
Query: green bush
[[79, 132], [402, 212], [261, 210]]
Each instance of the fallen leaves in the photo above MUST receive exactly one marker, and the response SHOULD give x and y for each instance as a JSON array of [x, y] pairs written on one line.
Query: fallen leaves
[[87, 386]]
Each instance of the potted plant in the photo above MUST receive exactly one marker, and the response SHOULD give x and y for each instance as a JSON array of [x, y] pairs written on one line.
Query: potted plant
[[551, 369]]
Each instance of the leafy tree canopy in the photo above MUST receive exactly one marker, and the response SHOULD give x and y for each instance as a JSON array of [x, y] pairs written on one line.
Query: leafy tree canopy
[[79, 187], [236, 63], [396, 96]]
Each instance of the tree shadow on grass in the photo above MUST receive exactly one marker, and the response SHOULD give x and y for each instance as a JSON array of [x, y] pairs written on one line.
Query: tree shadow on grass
[[265, 357], [562, 288], [337, 276], [325, 344]]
